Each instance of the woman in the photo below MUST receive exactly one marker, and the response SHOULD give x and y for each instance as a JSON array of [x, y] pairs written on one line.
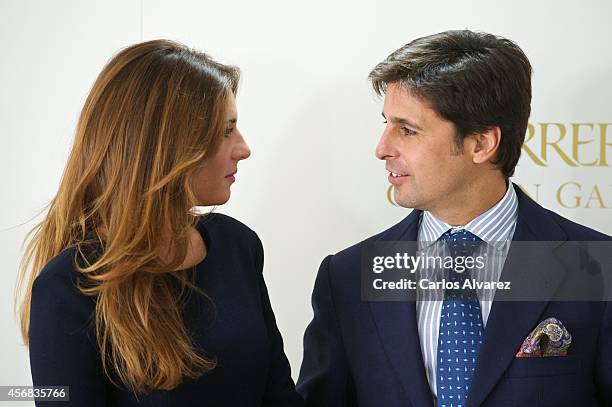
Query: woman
[[132, 299]]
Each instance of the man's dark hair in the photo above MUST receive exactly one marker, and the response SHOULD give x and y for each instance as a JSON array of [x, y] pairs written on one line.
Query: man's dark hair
[[475, 80]]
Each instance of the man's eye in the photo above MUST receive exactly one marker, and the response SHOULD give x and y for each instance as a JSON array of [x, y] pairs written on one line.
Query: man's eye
[[408, 132], [384, 121]]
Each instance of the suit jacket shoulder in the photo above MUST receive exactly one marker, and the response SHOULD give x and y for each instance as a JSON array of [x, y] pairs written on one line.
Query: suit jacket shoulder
[[576, 231], [345, 264]]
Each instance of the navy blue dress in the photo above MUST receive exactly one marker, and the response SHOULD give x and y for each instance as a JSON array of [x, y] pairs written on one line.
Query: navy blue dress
[[239, 331]]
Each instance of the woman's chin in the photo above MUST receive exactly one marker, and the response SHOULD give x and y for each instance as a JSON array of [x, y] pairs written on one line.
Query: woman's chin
[[216, 201]]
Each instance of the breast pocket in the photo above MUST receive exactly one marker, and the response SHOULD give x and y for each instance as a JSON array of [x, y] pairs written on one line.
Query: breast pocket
[[544, 366]]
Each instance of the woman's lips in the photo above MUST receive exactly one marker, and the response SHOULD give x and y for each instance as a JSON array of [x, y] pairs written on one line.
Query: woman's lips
[[231, 177]]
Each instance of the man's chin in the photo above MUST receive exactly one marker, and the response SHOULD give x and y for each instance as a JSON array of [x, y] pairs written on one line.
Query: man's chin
[[405, 201]]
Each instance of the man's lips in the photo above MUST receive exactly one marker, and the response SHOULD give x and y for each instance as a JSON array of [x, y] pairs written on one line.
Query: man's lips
[[397, 174], [396, 178]]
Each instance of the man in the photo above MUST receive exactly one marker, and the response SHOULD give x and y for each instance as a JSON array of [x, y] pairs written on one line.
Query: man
[[456, 108]]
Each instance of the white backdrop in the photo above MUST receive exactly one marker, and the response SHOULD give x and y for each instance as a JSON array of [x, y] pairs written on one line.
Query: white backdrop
[[312, 185]]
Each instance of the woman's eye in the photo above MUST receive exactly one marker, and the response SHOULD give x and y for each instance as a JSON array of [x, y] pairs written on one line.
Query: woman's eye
[[228, 131]]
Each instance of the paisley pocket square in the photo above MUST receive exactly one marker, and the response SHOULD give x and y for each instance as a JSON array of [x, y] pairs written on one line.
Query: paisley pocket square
[[549, 338]]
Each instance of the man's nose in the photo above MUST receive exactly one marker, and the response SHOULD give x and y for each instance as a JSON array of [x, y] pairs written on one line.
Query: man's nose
[[384, 148]]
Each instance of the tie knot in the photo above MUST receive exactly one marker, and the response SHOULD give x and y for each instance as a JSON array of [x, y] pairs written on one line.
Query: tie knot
[[460, 241], [459, 235]]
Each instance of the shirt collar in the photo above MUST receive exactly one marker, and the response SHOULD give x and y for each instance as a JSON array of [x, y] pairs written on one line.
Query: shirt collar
[[494, 226]]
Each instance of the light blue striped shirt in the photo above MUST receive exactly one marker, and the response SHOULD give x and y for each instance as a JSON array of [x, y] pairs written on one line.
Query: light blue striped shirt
[[496, 228]]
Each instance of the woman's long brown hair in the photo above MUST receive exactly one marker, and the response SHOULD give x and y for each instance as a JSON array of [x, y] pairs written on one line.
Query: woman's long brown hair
[[154, 114]]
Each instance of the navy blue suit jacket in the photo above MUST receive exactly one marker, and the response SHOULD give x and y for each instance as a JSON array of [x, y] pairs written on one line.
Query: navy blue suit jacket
[[367, 354]]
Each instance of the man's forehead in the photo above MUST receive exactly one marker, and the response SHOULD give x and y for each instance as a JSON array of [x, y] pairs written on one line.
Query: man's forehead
[[402, 103], [401, 93]]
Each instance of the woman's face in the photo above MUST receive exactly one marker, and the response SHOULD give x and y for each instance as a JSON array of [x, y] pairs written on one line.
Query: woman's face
[[212, 181]]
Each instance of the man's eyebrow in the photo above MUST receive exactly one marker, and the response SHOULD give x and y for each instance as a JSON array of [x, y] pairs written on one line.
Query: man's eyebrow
[[401, 120]]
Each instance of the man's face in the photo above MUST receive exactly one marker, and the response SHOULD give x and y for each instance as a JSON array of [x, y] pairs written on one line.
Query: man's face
[[427, 169]]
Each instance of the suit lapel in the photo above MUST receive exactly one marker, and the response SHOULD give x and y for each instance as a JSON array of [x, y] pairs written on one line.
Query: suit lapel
[[397, 329], [511, 321]]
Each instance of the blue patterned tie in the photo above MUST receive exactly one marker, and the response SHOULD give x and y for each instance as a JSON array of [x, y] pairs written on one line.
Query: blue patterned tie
[[461, 329]]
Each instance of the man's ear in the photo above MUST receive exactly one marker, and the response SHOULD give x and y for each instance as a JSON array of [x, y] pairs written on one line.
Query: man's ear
[[484, 145]]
